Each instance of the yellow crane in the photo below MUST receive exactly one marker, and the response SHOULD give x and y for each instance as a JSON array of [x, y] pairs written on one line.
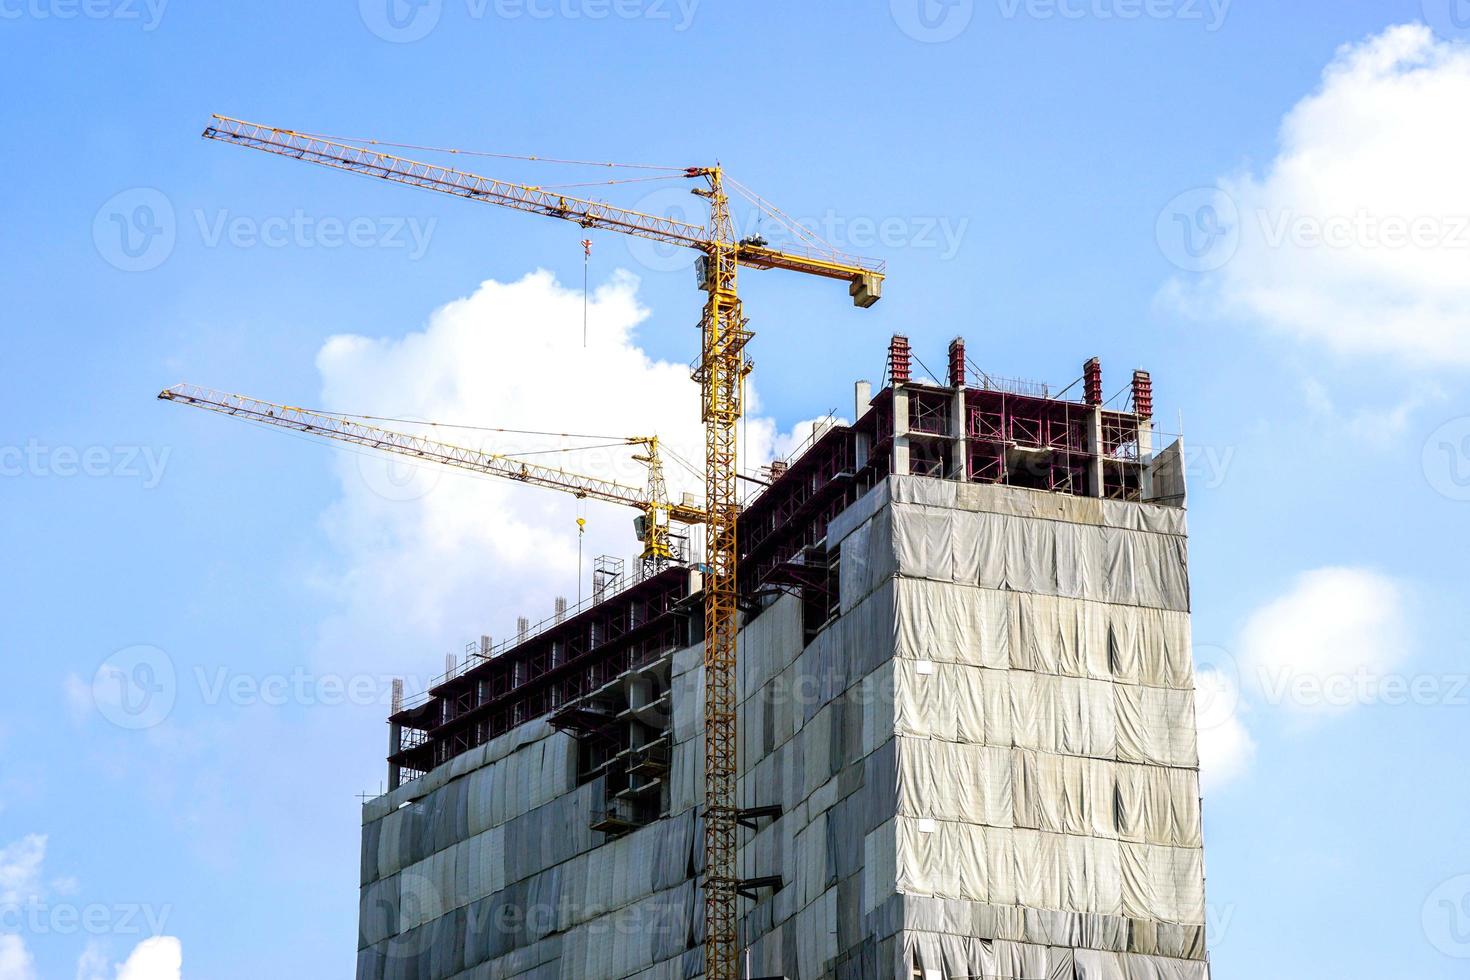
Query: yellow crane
[[720, 370], [653, 526]]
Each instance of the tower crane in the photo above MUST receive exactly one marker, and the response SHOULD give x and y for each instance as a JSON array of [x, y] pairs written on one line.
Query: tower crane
[[721, 371], [653, 524]]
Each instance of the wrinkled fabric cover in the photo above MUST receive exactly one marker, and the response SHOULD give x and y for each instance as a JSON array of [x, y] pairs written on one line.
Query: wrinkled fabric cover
[[986, 766]]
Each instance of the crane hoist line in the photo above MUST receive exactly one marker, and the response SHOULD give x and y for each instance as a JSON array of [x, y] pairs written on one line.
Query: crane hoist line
[[721, 371]]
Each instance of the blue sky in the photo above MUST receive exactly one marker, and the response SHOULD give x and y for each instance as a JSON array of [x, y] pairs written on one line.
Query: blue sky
[[1029, 171]]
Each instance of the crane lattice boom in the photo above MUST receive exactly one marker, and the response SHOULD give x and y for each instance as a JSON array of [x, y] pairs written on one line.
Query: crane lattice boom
[[432, 451], [865, 274]]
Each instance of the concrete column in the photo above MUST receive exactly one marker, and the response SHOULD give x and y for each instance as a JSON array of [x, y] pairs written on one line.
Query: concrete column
[[395, 737], [862, 398], [900, 431], [959, 461], [1096, 448], [1145, 450]]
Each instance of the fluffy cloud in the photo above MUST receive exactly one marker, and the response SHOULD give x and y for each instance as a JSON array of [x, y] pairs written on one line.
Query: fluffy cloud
[[1357, 235], [1379, 426], [1329, 643], [20, 869], [93, 963], [1225, 745], [158, 958], [16, 962], [428, 558]]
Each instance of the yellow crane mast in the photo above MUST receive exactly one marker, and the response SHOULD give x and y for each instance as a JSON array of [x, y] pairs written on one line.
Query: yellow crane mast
[[721, 372]]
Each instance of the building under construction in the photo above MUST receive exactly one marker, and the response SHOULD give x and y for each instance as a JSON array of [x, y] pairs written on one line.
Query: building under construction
[[966, 726]]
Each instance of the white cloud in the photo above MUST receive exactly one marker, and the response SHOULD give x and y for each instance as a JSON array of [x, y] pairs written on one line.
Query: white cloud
[[158, 958], [1357, 235], [79, 700], [20, 869], [429, 558], [1329, 643], [16, 962], [93, 962], [1226, 748], [1376, 426]]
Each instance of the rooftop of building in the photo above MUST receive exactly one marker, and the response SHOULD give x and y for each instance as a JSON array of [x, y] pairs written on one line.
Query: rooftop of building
[[970, 427]]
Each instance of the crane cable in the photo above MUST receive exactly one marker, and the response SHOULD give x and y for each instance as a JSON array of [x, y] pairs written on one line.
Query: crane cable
[[586, 261], [622, 440], [485, 153], [811, 238]]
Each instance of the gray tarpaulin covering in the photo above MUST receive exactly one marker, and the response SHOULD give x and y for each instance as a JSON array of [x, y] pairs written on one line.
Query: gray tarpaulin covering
[[986, 767]]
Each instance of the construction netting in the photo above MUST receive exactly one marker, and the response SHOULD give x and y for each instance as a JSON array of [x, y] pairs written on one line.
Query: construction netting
[[985, 767]]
